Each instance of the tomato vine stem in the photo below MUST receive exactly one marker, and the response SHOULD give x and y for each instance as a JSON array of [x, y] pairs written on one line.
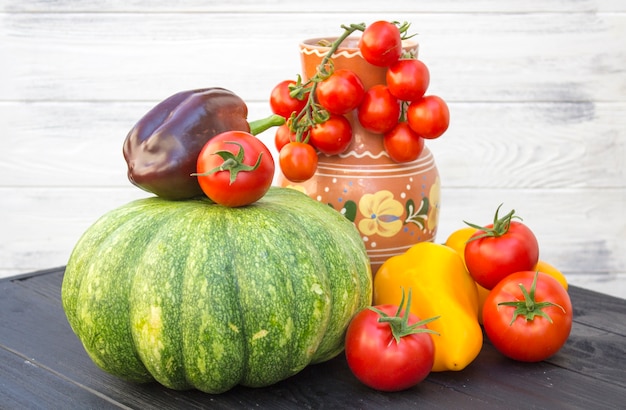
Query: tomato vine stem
[[312, 113]]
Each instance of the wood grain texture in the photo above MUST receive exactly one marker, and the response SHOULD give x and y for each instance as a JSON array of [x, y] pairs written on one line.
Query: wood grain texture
[[536, 91]]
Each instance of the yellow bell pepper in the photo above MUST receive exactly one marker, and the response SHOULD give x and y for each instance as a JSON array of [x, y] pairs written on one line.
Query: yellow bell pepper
[[441, 286], [545, 267], [457, 241]]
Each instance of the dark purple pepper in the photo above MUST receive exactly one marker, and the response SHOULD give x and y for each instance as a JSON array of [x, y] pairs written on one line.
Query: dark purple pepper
[[161, 150]]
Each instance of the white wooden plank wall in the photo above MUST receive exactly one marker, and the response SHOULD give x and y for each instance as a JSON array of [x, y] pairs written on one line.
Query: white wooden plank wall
[[537, 92]]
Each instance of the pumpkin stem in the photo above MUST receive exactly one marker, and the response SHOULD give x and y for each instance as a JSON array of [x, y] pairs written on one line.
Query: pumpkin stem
[[400, 324]]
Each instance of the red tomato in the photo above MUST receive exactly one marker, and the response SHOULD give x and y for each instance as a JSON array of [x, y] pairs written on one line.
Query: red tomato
[[333, 136], [402, 143], [283, 136], [381, 43], [379, 111], [340, 93], [282, 103], [235, 168], [429, 117], [298, 161], [500, 249], [381, 357], [531, 327], [408, 79]]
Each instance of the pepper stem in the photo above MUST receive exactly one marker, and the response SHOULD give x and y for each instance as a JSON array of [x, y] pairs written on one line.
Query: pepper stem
[[264, 124], [400, 324]]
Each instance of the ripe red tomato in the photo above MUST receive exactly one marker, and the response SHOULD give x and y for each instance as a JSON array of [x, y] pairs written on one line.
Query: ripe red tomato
[[282, 103], [283, 136], [340, 93], [235, 168], [530, 327], [500, 249], [381, 43], [402, 143], [298, 161], [382, 359], [379, 111], [333, 136], [429, 117], [407, 79]]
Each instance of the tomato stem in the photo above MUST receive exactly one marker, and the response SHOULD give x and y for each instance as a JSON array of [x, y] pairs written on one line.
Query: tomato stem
[[400, 324], [313, 113], [529, 307], [499, 228], [232, 163]]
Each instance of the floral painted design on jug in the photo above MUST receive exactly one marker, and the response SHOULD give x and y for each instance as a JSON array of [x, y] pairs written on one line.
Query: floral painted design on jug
[[397, 213]]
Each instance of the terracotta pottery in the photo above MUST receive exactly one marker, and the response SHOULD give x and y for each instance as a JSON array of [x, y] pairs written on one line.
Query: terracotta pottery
[[393, 205]]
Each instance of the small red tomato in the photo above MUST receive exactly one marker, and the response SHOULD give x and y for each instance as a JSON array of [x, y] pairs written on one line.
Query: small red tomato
[[429, 117], [528, 325], [281, 101], [340, 93], [298, 161], [402, 144], [283, 136], [500, 249], [379, 111], [235, 168], [408, 80], [389, 355], [381, 43], [333, 136]]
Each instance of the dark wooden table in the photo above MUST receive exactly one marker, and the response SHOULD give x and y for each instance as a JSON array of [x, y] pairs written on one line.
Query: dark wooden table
[[43, 365]]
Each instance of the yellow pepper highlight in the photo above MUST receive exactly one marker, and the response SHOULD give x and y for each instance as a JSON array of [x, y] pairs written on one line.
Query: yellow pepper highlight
[[440, 286]]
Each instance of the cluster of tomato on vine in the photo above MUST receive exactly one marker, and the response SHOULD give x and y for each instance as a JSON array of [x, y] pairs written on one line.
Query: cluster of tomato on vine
[[399, 110]]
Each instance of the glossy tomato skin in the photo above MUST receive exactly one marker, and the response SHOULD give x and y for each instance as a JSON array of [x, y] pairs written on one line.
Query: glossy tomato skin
[[249, 186], [282, 103], [380, 110], [340, 93], [429, 116], [283, 136], [381, 43], [408, 79], [298, 161], [333, 136], [378, 361], [534, 340], [402, 144], [491, 259]]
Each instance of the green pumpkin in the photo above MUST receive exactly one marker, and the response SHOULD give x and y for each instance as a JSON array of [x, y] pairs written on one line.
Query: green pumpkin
[[197, 295]]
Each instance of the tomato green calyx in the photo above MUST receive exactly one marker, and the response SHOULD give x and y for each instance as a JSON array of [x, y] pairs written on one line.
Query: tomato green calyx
[[232, 163], [404, 29], [263, 124], [400, 324], [499, 228], [529, 307]]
